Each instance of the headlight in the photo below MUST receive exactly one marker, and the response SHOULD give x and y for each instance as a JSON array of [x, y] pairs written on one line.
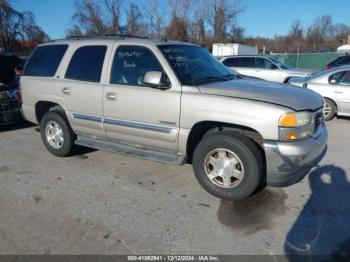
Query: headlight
[[296, 126]]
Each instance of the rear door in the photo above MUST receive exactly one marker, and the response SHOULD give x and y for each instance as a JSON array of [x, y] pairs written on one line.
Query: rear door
[[245, 66], [82, 89]]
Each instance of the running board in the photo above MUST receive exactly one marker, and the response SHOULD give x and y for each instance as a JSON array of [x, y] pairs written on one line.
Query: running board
[[129, 150]]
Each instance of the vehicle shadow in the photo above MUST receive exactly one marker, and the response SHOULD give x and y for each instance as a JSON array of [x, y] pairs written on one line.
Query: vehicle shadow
[[15, 126], [322, 227], [343, 118]]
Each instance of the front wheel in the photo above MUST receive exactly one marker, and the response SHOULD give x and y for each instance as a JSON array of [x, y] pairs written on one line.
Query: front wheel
[[329, 109], [56, 134], [228, 165]]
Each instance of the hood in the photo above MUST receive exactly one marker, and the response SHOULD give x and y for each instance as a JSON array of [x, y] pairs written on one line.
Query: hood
[[301, 71], [281, 94]]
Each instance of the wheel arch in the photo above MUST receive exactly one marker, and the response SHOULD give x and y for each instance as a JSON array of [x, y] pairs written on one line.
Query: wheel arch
[[206, 128], [335, 103], [42, 107], [287, 79]]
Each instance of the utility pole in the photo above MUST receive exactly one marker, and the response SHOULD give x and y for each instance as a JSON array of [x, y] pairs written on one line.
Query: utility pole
[[298, 57]]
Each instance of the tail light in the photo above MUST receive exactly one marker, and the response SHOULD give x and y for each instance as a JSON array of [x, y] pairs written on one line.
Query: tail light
[[329, 67]]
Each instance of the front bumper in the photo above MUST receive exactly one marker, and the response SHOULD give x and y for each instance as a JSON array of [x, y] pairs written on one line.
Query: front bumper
[[289, 162]]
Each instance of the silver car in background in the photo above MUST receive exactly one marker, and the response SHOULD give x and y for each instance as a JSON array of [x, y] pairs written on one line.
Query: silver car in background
[[334, 86], [263, 67]]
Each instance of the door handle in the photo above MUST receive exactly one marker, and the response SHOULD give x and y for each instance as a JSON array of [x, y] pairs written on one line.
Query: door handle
[[66, 90], [111, 96], [338, 91]]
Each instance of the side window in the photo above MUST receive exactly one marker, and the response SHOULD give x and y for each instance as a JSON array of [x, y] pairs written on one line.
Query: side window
[[45, 60], [263, 63], [131, 63], [335, 78], [230, 62], [86, 64], [247, 62], [345, 80]]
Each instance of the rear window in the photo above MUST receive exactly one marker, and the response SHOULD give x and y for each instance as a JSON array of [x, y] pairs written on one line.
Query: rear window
[[340, 61], [45, 60], [86, 64]]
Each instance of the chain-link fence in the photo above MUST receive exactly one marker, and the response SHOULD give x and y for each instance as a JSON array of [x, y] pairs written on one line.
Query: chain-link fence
[[317, 61]]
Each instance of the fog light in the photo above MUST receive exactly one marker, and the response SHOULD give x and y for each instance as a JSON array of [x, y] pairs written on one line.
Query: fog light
[[292, 136]]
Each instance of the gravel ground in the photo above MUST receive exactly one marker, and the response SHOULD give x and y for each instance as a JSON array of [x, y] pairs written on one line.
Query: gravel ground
[[101, 203]]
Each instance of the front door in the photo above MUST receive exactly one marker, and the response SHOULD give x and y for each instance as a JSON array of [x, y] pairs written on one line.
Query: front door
[[267, 70], [135, 113]]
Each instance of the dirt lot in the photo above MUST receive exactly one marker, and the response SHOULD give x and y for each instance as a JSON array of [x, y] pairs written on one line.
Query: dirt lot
[[101, 203]]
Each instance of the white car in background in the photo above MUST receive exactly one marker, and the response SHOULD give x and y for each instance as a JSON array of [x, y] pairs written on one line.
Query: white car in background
[[334, 86], [263, 67]]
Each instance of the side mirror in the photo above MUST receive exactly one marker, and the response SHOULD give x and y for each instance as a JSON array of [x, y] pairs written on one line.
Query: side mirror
[[333, 81], [155, 79]]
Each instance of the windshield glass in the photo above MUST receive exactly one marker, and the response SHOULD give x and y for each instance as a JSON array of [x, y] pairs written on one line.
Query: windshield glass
[[279, 63], [318, 74], [194, 65]]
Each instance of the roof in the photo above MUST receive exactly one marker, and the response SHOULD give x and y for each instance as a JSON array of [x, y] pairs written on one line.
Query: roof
[[117, 38], [238, 56]]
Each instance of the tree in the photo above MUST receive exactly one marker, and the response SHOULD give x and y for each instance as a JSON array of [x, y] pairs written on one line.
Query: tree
[[177, 29], [134, 20], [88, 18], [17, 28], [113, 9], [155, 13]]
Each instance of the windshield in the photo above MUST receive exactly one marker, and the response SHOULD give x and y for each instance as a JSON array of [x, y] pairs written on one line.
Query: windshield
[[194, 65], [279, 63], [318, 74]]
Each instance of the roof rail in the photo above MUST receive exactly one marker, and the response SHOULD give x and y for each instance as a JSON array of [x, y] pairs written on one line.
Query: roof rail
[[116, 36]]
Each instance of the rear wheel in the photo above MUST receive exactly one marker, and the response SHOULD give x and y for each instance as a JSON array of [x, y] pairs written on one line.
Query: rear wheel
[[56, 134], [228, 165], [329, 109]]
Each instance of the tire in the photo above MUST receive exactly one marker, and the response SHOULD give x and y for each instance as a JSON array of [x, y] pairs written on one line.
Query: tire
[[234, 148], [59, 126], [330, 109]]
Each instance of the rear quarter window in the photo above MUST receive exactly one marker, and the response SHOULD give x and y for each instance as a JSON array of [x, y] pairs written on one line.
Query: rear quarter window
[[45, 60]]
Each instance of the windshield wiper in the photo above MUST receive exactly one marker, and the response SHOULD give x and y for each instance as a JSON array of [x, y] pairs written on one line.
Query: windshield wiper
[[232, 76], [209, 79]]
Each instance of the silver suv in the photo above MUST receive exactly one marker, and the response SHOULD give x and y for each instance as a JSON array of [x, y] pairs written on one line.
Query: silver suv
[[174, 103]]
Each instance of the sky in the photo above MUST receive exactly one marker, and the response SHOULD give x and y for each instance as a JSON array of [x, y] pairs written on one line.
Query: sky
[[261, 17]]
